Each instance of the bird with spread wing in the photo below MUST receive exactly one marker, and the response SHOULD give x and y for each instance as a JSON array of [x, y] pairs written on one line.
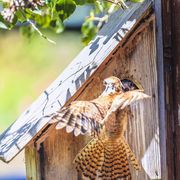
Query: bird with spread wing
[[107, 155]]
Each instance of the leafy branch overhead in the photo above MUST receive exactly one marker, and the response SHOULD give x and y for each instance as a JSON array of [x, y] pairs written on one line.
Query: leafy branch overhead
[[50, 14]]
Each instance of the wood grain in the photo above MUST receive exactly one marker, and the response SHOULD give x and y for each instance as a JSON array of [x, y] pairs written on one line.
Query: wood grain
[[71, 82], [160, 26], [175, 80], [134, 59], [32, 163]]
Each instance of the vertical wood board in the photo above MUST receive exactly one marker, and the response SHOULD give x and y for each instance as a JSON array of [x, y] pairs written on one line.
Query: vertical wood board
[[32, 163], [137, 60], [176, 83]]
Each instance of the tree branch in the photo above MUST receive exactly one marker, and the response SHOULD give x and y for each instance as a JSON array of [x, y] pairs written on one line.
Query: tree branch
[[36, 28]]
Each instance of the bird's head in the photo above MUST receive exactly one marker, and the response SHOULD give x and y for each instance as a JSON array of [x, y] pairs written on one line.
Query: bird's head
[[112, 84], [130, 84]]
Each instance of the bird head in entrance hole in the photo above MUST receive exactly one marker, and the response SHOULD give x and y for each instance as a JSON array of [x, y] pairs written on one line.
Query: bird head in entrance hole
[[131, 84], [114, 84]]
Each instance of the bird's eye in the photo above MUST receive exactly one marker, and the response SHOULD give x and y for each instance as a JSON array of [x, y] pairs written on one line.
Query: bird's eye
[[104, 82], [113, 84], [131, 84]]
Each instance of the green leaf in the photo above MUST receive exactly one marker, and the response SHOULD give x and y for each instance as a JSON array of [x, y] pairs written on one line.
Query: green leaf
[[137, 1], [39, 12], [6, 25], [43, 21], [99, 7], [3, 26], [27, 31], [20, 16], [65, 8], [89, 30], [57, 26], [82, 2]]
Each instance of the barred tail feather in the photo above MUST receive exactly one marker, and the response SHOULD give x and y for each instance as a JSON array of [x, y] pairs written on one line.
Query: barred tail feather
[[106, 159], [89, 160], [131, 156]]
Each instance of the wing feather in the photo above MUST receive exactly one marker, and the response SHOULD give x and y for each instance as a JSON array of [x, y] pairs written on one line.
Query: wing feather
[[80, 117], [125, 99], [83, 117]]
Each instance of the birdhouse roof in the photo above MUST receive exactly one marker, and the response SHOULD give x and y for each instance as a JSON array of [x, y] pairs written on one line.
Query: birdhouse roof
[[35, 118]]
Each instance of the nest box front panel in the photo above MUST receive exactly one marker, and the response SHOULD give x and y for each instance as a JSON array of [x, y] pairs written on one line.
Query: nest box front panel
[[135, 59]]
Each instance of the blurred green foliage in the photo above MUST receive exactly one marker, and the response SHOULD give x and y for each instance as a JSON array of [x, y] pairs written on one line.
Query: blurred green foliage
[[52, 13], [28, 66]]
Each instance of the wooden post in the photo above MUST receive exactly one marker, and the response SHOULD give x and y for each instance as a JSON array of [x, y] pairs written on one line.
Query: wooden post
[[167, 59], [176, 82], [161, 87], [168, 13]]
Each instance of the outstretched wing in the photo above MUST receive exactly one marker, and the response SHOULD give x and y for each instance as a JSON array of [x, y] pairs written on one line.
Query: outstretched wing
[[80, 116], [125, 99]]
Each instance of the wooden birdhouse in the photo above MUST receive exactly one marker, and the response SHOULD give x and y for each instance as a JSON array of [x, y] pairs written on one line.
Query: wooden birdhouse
[[125, 47]]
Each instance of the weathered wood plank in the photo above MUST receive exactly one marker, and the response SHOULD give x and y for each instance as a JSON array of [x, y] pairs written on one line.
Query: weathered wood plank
[[58, 154], [135, 59], [176, 83], [13, 140], [32, 163], [143, 132], [160, 26]]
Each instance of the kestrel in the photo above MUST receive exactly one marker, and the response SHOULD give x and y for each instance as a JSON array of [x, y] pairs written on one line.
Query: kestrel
[[107, 155]]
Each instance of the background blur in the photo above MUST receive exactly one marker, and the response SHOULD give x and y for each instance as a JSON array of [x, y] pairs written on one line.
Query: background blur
[[27, 67]]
